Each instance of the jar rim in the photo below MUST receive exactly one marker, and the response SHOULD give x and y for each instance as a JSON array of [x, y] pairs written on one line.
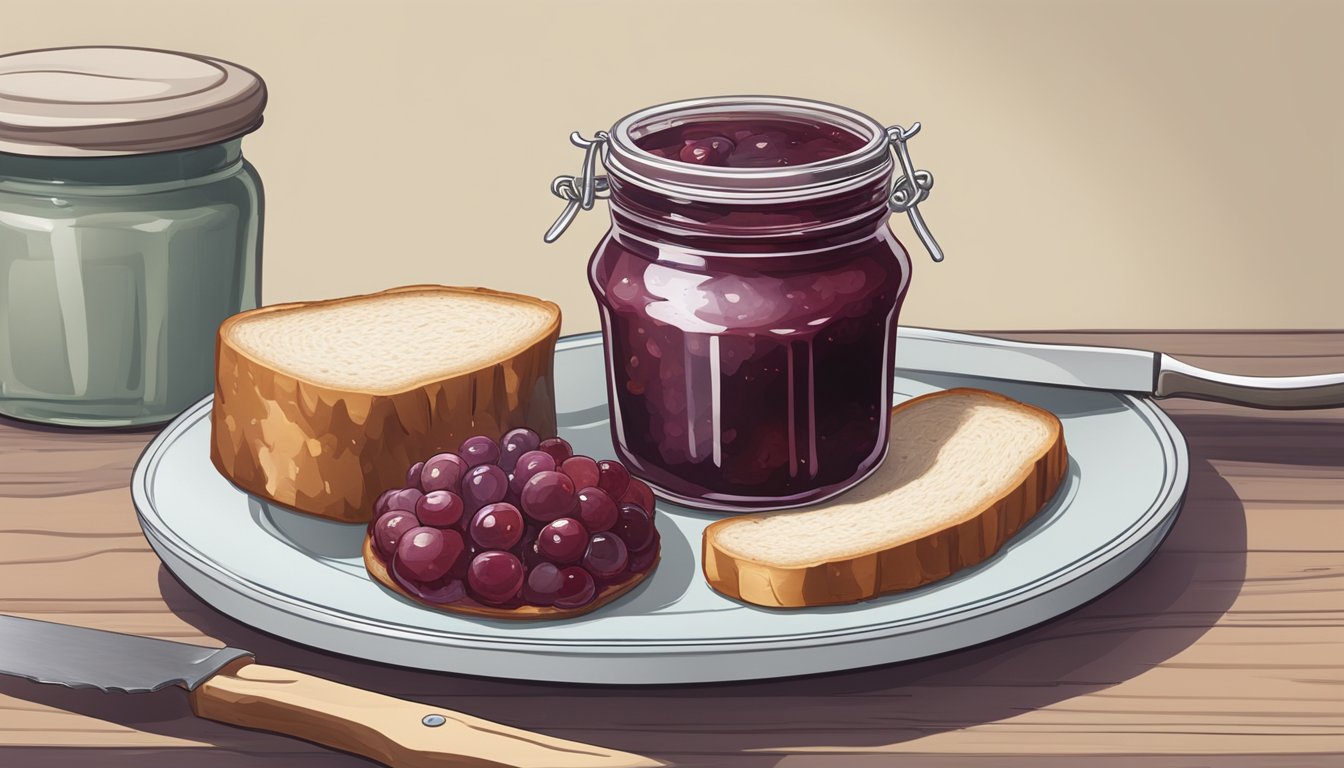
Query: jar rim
[[625, 159]]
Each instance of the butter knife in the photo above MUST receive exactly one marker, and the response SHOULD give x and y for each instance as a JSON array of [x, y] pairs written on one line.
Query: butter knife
[[1140, 372], [225, 685]]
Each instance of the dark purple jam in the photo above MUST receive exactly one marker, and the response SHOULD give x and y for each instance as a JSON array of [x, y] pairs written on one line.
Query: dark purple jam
[[750, 345], [750, 144]]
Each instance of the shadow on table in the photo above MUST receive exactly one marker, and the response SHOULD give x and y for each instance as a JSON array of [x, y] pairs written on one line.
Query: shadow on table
[[14, 422], [1161, 610]]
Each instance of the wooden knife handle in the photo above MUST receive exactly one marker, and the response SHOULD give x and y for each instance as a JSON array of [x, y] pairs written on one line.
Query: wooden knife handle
[[392, 731]]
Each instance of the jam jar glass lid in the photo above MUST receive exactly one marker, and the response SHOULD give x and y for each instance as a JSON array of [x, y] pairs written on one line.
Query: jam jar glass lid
[[101, 101]]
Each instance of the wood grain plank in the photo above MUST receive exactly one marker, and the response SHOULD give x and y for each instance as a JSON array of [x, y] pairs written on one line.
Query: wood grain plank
[[41, 462], [1127, 760], [75, 757], [99, 512], [173, 757]]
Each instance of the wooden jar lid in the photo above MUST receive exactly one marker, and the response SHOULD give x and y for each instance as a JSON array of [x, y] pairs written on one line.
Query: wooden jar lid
[[98, 101]]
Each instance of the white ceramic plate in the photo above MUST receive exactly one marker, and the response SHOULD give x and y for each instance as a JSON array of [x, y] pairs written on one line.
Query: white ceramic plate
[[302, 578]]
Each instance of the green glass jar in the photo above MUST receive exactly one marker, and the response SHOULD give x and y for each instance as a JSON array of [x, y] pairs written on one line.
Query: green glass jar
[[122, 248]]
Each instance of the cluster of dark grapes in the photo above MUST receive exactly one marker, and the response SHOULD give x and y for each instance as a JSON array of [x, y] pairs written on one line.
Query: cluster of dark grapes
[[521, 521]]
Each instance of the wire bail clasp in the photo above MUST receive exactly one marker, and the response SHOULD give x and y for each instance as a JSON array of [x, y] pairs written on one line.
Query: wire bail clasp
[[583, 190], [912, 188]]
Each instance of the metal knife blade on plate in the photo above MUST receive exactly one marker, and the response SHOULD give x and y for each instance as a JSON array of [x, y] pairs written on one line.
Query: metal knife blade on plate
[[225, 685], [1151, 374]]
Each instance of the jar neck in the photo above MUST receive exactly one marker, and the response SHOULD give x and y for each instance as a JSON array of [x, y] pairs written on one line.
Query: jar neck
[[805, 224], [117, 170]]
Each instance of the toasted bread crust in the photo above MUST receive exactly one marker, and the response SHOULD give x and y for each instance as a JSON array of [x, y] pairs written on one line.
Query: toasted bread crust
[[378, 571], [911, 564], [330, 452]]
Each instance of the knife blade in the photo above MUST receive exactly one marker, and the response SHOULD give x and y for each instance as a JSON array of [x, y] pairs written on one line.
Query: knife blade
[[1140, 372], [226, 685]]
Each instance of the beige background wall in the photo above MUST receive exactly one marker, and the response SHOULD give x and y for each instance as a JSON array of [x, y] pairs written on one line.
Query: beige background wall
[[1099, 164]]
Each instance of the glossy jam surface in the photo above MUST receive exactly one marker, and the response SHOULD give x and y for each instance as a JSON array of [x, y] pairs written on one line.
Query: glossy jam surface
[[746, 384], [750, 343], [750, 144]]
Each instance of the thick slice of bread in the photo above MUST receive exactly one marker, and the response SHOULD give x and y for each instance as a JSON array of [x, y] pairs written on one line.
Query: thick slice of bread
[[322, 406], [965, 471]]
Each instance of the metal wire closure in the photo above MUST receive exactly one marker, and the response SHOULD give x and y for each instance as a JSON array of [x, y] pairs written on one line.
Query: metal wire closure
[[580, 192], [912, 188], [583, 190]]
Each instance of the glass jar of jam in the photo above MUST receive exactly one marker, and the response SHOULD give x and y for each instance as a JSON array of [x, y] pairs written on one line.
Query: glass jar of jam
[[749, 290], [130, 228]]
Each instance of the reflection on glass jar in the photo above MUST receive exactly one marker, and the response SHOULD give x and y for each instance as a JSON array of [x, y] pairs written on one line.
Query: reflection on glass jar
[[112, 299], [749, 295]]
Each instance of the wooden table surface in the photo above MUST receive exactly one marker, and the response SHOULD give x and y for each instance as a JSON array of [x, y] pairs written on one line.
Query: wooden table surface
[[1226, 649]]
